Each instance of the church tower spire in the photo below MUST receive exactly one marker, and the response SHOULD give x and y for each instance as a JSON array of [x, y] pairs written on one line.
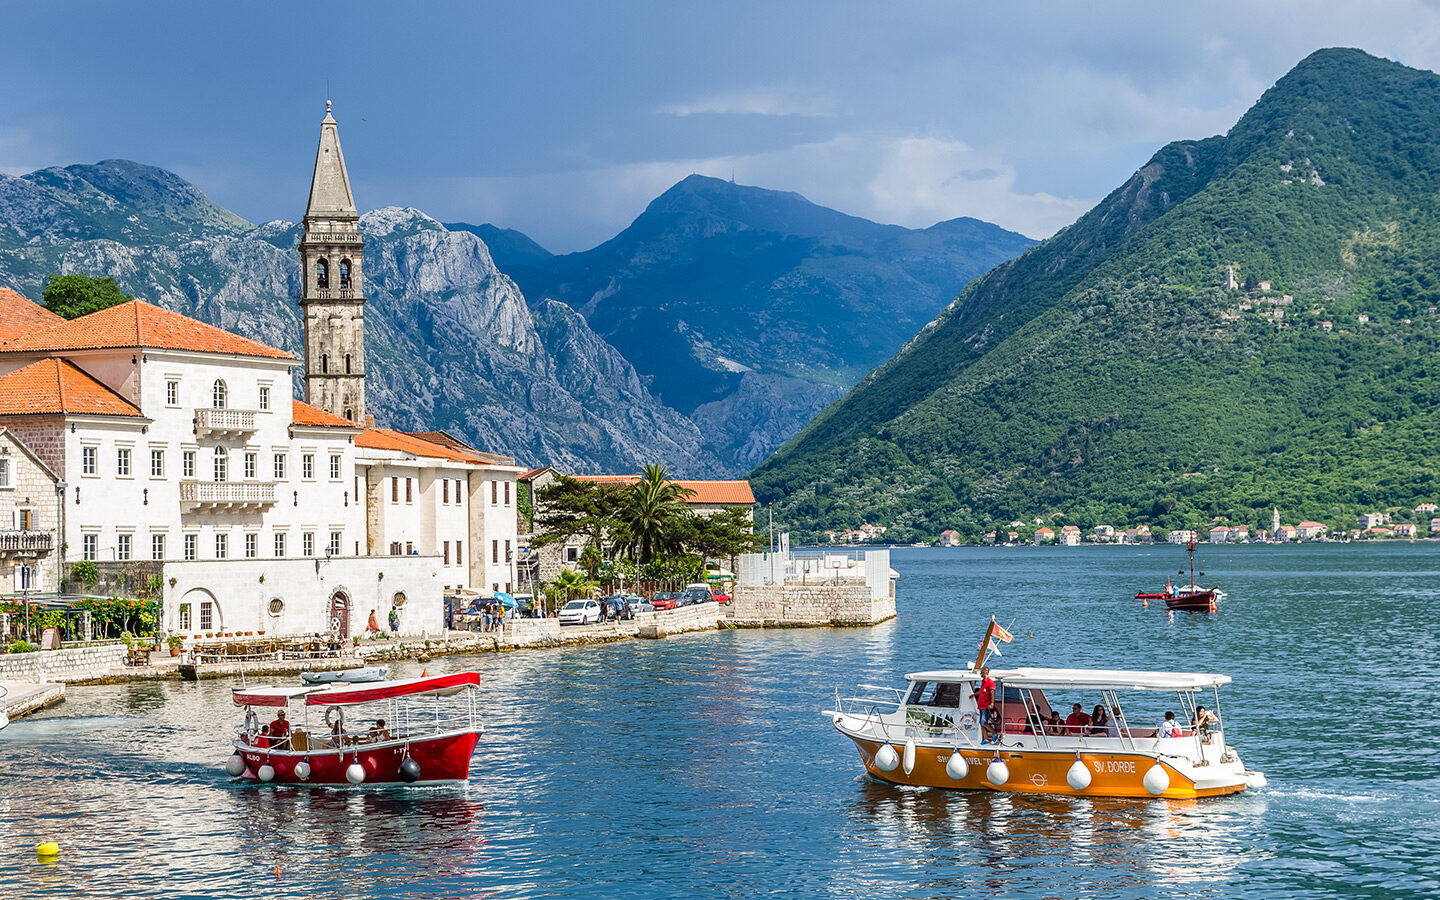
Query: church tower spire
[[333, 298]]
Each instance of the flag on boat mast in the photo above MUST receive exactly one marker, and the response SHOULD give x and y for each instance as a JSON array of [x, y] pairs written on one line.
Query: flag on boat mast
[[995, 648], [998, 630]]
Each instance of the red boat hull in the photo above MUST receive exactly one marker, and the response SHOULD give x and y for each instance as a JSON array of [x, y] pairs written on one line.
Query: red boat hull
[[1202, 601], [442, 758]]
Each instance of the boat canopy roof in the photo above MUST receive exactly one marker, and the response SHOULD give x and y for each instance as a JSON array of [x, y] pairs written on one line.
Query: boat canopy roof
[[1112, 679], [436, 686], [269, 695]]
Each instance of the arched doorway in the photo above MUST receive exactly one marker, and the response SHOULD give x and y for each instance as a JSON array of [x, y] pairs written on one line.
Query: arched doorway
[[198, 612], [340, 614]]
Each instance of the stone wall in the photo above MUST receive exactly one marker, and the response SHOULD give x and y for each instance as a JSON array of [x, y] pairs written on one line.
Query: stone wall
[[790, 605], [700, 617], [62, 665]]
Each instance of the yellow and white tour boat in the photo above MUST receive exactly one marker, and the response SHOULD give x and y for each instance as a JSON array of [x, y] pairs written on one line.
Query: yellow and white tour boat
[[930, 734]]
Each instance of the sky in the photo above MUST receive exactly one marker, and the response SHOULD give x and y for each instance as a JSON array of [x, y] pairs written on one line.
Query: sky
[[564, 119]]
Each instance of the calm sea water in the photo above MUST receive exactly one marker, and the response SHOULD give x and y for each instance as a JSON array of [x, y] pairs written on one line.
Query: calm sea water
[[698, 766]]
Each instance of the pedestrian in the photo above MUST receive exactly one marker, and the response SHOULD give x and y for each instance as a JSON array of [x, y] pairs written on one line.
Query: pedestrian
[[394, 620], [372, 627]]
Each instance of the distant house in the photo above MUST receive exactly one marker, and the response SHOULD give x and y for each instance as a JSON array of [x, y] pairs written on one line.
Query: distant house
[[1070, 535], [1264, 286], [1181, 536], [1220, 534], [988, 537], [1012, 536], [950, 538], [1104, 533], [831, 537], [1405, 529], [1362, 318], [1140, 534], [1310, 531], [1286, 533], [1044, 535], [1327, 326], [1366, 521], [1435, 524], [1240, 534], [1428, 508], [1380, 531]]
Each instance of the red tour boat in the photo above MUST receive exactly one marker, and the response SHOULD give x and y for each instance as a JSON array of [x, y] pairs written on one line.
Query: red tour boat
[[1178, 597], [384, 732]]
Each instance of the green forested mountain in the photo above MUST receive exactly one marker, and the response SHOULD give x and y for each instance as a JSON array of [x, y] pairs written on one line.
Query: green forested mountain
[[1110, 374]]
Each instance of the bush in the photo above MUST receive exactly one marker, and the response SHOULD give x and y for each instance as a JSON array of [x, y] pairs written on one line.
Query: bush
[[21, 647]]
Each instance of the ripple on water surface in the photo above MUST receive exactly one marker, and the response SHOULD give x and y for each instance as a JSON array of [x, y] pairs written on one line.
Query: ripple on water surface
[[698, 765]]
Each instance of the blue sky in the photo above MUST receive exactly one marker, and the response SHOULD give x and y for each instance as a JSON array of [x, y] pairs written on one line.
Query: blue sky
[[564, 119]]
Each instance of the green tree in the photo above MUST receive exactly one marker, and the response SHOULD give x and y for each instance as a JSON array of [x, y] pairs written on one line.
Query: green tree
[[569, 583], [724, 535], [654, 513], [72, 296], [571, 507]]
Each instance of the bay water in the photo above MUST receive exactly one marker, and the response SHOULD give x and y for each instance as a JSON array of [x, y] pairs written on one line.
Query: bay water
[[699, 766]]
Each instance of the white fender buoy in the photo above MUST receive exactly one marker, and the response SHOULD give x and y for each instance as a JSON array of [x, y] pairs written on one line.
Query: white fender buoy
[[1078, 775], [886, 759], [302, 770], [266, 773], [1256, 780], [909, 759], [956, 766], [355, 773], [997, 773], [1156, 780], [235, 766]]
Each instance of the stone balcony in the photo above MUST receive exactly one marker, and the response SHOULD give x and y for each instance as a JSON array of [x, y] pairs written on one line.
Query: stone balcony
[[226, 495], [224, 421], [26, 542]]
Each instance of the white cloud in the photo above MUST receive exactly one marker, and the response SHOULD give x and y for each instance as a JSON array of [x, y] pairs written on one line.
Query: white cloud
[[757, 100]]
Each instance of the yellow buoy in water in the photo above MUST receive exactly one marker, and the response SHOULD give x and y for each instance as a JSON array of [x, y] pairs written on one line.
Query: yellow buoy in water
[[47, 849]]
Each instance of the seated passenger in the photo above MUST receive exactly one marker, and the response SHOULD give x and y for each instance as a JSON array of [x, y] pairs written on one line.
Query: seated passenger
[[1170, 728], [262, 740], [1099, 721], [379, 732], [1112, 723], [1077, 721], [1204, 718], [280, 728], [1054, 725]]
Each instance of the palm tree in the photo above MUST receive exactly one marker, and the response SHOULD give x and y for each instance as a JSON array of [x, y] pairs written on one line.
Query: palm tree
[[652, 513], [569, 583]]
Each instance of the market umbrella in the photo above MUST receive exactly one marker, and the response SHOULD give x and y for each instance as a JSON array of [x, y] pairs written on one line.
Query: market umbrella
[[506, 600]]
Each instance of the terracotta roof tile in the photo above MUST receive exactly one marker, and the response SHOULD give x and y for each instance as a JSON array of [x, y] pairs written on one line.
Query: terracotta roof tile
[[314, 416], [386, 439], [446, 439], [732, 492], [19, 316], [140, 325], [53, 386]]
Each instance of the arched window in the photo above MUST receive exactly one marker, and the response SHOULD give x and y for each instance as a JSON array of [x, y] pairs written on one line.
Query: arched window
[[219, 395], [344, 274], [349, 414], [222, 465], [322, 274], [347, 364], [324, 363]]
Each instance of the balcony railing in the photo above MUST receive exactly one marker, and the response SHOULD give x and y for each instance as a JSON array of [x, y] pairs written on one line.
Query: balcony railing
[[196, 495], [225, 421], [26, 541]]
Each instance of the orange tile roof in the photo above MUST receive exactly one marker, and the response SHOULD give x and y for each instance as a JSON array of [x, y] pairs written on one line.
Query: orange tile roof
[[20, 316], [446, 439], [735, 492], [140, 325], [53, 386], [386, 439], [305, 414]]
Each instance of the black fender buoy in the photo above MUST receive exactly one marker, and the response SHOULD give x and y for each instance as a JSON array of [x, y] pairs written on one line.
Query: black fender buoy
[[409, 770]]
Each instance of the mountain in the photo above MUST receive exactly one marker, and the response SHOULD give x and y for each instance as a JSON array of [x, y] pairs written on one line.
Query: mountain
[[451, 341], [508, 247], [1111, 375], [749, 310]]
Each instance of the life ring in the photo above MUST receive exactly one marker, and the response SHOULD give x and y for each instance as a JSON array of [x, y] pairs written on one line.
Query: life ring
[[968, 721], [252, 724], [335, 715]]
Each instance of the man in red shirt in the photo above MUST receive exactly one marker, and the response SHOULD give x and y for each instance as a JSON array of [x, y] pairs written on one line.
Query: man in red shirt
[[985, 702], [280, 729], [1077, 720]]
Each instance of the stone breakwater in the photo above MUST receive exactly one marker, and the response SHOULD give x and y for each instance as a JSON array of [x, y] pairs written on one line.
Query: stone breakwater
[[806, 605]]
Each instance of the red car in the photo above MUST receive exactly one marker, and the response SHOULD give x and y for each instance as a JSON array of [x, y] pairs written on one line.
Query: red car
[[665, 600], [721, 596]]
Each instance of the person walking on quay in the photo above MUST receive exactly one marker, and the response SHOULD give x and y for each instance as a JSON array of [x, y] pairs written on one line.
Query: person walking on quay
[[394, 620], [372, 627]]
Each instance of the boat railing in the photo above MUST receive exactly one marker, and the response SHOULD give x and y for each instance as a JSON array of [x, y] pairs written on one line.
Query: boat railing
[[402, 730]]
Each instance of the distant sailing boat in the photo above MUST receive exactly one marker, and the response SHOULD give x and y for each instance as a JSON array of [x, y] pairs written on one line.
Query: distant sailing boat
[[1179, 597]]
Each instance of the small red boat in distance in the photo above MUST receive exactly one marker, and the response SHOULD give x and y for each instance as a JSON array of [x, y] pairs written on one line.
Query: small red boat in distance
[[1194, 598], [384, 732]]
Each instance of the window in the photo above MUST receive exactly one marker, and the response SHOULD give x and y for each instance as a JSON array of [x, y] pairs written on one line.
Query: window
[[494, 551], [222, 546], [508, 558], [122, 546], [222, 465], [172, 393], [322, 274], [219, 394], [409, 495], [252, 545], [459, 552], [187, 463], [334, 548], [458, 495], [87, 460], [307, 466], [395, 490], [122, 462], [90, 546], [494, 493], [192, 541], [184, 617], [157, 463], [4, 473], [276, 606], [447, 554], [572, 554], [394, 548], [444, 490], [507, 493], [279, 467], [264, 398], [307, 543], [157, 547], [25, 518], [250, 465], [324, 364], [349, 414], [347, 364], [334, 468], [344, 274], [279, 545], [207, 616]]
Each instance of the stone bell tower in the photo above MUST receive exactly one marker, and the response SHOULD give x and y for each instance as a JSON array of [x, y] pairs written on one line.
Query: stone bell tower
[[333, 298]]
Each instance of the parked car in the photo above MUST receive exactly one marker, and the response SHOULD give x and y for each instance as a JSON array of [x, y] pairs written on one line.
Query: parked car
[[720, 596], [665, 600], [694, 595], [580, 612], [639, 604], [617, 608]]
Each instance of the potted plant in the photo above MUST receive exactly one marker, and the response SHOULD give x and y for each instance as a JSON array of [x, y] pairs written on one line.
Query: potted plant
[[174, 642]]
